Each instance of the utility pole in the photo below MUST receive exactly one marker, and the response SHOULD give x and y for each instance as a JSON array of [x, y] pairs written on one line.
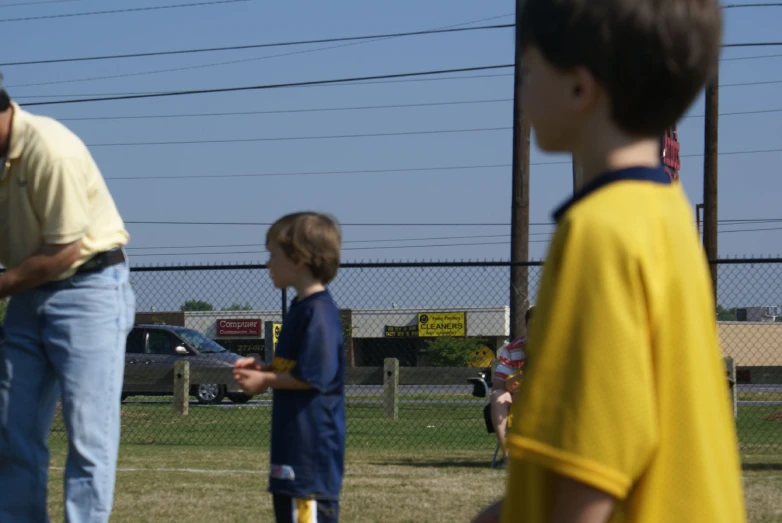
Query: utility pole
[[710, 164], [519, 223], [578, 175]]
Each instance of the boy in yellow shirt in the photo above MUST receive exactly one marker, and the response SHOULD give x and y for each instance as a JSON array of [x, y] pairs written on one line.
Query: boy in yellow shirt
[[623, 415]]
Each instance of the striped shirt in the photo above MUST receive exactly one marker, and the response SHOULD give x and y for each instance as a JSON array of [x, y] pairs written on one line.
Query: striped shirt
[[510, 359]]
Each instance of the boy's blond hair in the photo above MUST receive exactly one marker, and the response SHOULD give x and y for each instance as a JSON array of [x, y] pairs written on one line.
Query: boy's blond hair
[[310, 238]]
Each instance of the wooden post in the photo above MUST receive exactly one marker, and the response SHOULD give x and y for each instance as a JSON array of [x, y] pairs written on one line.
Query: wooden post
[[578, 175], [347, 328], [181, 386], [710, 176], [519, 221], [730, 371], [390, 388]]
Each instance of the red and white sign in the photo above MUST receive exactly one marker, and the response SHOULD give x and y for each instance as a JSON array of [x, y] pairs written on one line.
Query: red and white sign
[[239, 327]]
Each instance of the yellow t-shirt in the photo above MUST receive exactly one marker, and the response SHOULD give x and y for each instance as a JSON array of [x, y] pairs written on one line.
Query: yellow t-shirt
[[625, 387], [52, 192]]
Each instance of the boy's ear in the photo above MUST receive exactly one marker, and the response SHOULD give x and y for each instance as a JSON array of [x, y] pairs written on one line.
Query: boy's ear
[[584, 90]]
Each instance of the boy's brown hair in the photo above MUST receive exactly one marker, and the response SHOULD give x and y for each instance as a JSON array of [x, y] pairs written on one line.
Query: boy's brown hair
[[651, 56], [310, 238]]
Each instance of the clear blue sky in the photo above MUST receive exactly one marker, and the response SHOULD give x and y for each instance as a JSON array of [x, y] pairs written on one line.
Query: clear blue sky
[[750, 185]]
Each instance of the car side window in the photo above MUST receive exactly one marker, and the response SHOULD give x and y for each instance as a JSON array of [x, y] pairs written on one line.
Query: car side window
[[135, 342], [162, 342]]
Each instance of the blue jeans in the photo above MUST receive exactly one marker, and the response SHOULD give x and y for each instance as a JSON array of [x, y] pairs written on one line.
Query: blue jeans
[[70, 333]]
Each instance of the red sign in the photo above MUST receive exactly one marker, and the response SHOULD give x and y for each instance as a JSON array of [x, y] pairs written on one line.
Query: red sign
[[240, 327]]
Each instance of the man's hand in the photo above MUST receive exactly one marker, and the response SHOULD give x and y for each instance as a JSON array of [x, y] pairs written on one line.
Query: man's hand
[[490, 514], [252, 381]]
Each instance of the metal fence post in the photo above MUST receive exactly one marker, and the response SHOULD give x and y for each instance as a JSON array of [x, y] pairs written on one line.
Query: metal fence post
[[730, 370], [390, 388]]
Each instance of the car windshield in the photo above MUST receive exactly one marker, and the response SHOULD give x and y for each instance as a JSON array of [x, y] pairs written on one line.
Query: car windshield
[[202, 343]]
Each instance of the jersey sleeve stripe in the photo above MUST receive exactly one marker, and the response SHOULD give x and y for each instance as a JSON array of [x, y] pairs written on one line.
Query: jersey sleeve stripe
[[566, 464]]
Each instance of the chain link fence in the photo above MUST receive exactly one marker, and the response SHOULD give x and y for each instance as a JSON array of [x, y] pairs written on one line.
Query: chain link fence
[[417, 336]]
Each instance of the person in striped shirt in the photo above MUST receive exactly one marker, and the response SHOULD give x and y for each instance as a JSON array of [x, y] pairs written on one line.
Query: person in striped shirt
[[505, 381]]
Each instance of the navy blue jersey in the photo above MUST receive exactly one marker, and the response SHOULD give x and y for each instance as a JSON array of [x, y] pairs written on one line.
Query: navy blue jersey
[[308, 426]]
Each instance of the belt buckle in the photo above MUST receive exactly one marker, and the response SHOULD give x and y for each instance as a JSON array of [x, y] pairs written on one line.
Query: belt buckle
[[94, 263]]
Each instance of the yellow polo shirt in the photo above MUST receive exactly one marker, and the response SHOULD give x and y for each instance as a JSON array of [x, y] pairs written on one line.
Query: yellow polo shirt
[[52, 192], [625, 386]]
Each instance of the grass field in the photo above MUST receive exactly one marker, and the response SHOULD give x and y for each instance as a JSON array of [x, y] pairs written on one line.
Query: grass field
[[428, 465]]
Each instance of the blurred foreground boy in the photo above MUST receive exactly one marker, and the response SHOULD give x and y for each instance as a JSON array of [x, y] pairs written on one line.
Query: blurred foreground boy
[[624, 413], [307, 373]]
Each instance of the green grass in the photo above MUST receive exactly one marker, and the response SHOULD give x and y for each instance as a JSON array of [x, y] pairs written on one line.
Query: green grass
[[760, 396], [227, 484], [428, 465], [760, 432], [417, 427]]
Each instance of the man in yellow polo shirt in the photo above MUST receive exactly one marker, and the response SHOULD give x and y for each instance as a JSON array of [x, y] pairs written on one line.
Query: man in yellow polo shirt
[[70, 311]]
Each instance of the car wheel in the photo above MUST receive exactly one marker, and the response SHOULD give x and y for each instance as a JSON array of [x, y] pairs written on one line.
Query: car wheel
[[239, 398], [209, 393]]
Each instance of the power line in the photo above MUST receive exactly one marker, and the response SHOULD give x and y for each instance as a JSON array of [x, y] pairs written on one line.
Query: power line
[[362, 135], [317, 83], [253, 59], [344, 108], [391, 240], [374, 171], [289, 111], [25, 4], [348, 83], [750, 230], [737, 113], [735, 6], [266, 224], [767, 82], [272, 86], [424, 224], [312, 173], [750, 57], [114, 11], [753, 44], [256, 46], [475, 244], [297, 138]]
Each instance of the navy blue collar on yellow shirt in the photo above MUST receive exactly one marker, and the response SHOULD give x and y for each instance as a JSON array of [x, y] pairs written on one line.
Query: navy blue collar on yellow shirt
[[648, 174]]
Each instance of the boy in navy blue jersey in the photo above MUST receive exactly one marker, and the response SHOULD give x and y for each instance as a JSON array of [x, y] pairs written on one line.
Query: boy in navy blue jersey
[[306, 374]]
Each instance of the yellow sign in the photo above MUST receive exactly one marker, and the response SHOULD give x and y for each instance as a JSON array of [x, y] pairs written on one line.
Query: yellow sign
[[482, 357], [276, 327], [434, 324]]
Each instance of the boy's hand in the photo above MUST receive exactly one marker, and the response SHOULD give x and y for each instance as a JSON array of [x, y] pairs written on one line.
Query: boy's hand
[[251, 381], [251, 364]]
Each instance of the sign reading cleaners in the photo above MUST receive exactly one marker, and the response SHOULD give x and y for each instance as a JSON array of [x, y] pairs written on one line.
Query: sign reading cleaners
[[276, 336], [436, 324], [239, 327]]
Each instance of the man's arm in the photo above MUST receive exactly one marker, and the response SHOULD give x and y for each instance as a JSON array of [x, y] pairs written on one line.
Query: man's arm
[[39, 268], [580, 503]]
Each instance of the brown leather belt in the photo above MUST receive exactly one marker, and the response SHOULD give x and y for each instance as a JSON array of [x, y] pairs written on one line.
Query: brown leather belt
[[102, 260]]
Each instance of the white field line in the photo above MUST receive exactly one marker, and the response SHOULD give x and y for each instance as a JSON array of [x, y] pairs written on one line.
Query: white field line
[[184, 470]]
